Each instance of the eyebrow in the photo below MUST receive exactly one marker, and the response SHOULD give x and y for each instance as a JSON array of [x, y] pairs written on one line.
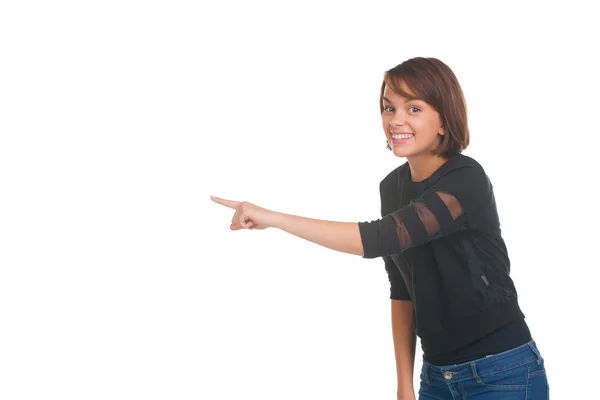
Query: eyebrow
[[407, 99]]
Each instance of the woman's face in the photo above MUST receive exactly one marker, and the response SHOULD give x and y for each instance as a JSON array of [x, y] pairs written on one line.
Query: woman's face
[[417, 123]]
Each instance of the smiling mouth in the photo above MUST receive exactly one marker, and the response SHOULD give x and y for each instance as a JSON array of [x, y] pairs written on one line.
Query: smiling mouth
[[402, 136], [401, 139]]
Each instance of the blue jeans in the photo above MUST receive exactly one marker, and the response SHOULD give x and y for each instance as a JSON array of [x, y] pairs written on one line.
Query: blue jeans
[[514, 374]]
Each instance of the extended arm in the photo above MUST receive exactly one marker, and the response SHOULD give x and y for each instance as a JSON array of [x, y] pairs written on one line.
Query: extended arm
[[436, 213], [407, 227]]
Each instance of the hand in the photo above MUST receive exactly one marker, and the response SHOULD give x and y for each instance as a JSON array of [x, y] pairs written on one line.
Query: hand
[[247, 215]]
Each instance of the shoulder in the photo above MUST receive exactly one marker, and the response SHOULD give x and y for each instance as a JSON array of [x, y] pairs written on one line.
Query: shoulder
[[460, 166], [462, 161], [463, 174]]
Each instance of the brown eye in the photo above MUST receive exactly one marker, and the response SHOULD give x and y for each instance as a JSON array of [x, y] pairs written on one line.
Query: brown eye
[[414, 108], [386, 108]]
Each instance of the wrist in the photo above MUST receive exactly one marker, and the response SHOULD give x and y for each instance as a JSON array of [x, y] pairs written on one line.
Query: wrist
[[276, 219]]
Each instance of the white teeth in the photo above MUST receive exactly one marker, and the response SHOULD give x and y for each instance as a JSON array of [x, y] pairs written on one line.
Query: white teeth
[[403, 136]]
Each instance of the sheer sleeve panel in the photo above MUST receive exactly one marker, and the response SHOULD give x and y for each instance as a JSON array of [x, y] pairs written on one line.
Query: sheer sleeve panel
[[461, 200], [431, 216]]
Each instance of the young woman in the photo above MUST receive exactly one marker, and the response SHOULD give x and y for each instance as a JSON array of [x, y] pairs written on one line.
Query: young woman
[[440, 239]]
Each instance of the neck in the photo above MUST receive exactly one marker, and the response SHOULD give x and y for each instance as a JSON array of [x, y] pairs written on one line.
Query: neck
[[422, 167]]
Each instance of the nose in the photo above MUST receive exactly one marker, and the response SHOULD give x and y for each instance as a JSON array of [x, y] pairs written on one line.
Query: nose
[[398, 119], [395, 122]]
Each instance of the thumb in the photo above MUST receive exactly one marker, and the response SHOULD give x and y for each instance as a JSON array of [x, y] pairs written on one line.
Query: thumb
[[247, 223]]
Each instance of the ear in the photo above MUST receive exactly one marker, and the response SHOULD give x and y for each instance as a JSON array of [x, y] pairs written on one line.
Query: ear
[[442, 131]]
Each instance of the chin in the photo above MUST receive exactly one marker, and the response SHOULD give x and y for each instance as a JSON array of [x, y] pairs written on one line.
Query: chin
[[400, 152]]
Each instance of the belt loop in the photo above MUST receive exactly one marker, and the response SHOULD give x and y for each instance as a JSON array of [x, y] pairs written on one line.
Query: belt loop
[[426, 372], [474, 369], [538, 356]]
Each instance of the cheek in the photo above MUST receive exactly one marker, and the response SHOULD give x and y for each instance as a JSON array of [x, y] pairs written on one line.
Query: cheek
[[423, 126], [416, 123], [385, 122]]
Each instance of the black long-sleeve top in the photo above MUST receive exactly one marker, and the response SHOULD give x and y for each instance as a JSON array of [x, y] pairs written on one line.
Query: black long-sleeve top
[[441, 243]]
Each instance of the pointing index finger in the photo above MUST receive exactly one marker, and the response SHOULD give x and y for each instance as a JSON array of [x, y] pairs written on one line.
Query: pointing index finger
[[226, 203]]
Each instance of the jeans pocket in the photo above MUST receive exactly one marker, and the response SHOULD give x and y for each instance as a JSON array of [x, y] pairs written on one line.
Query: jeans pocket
[[538, 385], [515, 378], [425, 382]]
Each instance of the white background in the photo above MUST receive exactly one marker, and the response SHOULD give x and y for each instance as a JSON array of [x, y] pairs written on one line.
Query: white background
[[120, 278]]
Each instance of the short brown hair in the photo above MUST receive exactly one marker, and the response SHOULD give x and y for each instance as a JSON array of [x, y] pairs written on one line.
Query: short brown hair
[[433, 82]]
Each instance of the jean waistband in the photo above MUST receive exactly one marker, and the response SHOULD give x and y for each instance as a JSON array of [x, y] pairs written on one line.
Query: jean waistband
[[520, 355]]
